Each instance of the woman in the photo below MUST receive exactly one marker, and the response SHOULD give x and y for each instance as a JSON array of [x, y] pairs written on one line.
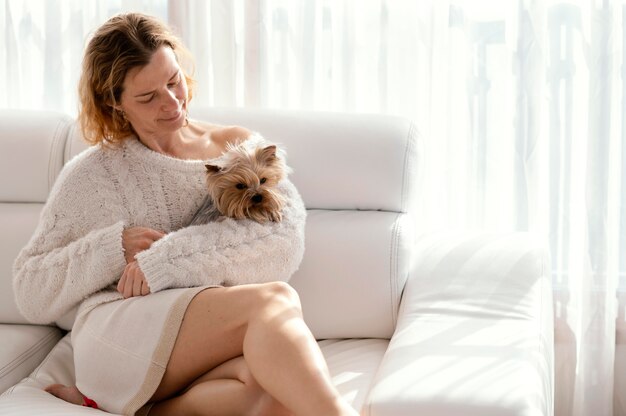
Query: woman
[[156, 330]]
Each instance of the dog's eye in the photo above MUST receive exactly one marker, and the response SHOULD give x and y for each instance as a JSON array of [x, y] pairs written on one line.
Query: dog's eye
[[241, 186], [263, 180]]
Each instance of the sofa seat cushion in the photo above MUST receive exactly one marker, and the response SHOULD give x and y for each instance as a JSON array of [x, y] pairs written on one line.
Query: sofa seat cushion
[[28, 345], [353, 364]]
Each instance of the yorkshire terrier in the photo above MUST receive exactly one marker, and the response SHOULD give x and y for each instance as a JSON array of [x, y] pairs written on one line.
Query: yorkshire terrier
[[242, 184]]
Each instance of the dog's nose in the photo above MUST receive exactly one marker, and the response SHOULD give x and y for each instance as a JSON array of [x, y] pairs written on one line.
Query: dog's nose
[[257, 198]]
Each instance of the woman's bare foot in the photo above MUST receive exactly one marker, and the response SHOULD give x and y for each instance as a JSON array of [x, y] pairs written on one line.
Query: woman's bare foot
[[70, 394]]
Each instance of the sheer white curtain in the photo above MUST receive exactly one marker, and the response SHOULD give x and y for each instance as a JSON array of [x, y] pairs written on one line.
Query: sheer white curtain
[[522, 103], [41, 47]]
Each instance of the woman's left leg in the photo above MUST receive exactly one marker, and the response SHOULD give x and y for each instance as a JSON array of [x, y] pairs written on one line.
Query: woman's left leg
[[262, 322]]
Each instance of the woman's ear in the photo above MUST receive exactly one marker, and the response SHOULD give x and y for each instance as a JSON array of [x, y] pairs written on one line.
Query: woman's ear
[[114, 104]]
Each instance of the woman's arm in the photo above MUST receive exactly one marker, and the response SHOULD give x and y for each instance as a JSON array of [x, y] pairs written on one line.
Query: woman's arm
[[229, 252], [75, 251]]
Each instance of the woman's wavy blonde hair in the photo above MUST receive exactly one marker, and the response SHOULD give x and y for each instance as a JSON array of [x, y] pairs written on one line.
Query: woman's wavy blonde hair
[[123, 42]]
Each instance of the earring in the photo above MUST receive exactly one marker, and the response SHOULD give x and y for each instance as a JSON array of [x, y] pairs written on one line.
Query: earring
[[186, 123]]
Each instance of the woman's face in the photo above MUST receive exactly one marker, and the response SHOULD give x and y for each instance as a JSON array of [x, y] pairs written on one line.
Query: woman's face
[[155, 96]]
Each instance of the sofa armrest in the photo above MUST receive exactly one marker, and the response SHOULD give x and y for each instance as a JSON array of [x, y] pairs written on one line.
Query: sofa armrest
[[22, 349], [475, 331]]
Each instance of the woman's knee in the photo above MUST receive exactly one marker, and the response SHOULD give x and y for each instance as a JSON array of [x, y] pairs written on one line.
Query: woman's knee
[[283, 289], [278, 295]]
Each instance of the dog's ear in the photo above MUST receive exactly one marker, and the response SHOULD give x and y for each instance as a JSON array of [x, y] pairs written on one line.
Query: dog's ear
[[267, 154], [212, 168]]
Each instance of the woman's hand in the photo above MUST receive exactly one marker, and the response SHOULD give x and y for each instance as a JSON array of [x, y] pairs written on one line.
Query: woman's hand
[[138, 239], [135, 240], [133, 282]]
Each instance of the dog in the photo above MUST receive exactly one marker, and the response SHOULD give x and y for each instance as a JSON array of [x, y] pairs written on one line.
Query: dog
[[242, 183]]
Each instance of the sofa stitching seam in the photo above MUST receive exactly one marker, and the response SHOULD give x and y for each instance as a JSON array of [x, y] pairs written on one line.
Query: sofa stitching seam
[[48, 357], [30, 352], [405, 174], [56, 141], [394, 267]]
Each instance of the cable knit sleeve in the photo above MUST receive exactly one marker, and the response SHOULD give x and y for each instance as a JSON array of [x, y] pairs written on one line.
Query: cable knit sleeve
[[76, 249], [229, 252]]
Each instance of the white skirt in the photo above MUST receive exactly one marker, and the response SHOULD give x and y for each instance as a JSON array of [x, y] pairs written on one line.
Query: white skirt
[[121, 348]]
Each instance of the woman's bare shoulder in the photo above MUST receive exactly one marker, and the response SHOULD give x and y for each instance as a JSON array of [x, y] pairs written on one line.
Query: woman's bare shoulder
[[230, 134], [222, 135]]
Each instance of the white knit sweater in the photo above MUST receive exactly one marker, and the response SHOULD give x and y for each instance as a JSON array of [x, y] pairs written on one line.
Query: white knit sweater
[[75, 256]]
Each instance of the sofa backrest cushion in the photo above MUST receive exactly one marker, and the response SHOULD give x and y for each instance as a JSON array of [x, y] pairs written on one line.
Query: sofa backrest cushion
[[340, 161], [32, 153], [357, 175], [32, 145]]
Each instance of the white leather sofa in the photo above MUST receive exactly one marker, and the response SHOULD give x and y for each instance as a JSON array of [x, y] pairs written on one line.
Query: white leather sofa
[[410, 324]]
